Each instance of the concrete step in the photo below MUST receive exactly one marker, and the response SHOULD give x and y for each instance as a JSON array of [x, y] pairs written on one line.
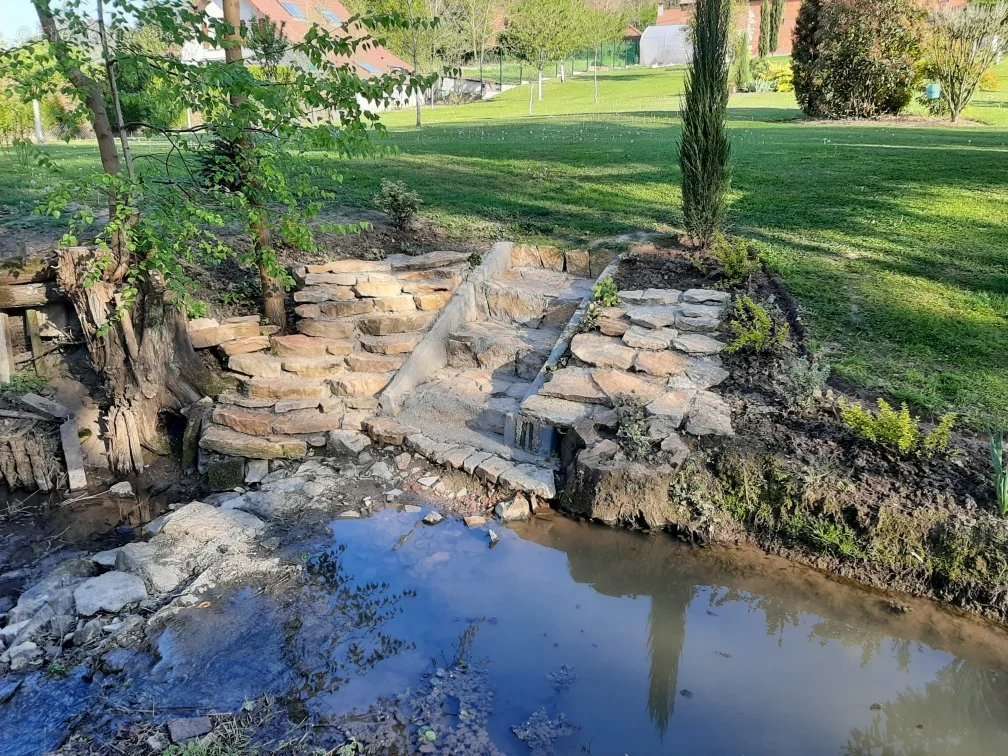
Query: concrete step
[[534, 296], [501, 347]]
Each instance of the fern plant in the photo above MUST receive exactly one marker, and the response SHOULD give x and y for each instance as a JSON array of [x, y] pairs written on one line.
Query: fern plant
[[898, 429], [1000, 472]]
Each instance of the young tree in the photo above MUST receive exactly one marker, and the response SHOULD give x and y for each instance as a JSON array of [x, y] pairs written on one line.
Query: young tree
[[540, 31], [478, 20], [603, 22], [771, 18], [960, 46], [704, 148], [240, 165]]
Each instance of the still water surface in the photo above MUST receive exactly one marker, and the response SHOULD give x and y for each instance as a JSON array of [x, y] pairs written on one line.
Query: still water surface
[[646, 646]]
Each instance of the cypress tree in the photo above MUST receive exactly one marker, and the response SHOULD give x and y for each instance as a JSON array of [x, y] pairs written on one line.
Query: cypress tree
[[776, 19], [766, 44], [704, 148]]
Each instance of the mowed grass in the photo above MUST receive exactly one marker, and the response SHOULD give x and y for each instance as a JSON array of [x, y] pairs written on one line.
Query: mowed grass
[[892, 235]]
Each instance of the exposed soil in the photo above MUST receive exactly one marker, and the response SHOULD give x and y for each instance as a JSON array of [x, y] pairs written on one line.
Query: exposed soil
[[797, 481]]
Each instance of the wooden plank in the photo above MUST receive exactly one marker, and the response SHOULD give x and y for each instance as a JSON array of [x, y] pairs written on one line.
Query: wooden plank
[[34, 337], [28, 269], [18, 296], [76, 476], [6, 353], [45, 406]]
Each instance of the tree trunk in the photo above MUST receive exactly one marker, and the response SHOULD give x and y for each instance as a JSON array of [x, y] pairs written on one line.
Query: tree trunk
[[273, 295], [144, 358], [531, 97], [417, 96], [273, 299], [540, 83], [37, 115]]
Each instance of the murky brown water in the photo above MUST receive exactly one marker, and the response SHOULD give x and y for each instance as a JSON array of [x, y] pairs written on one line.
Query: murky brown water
[[643, 645]]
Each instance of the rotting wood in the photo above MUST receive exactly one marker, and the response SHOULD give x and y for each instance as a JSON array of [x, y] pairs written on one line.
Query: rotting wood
[[34, 268], [19, 296], [32, 321], [70, 440], [45, 406], [6, 353]]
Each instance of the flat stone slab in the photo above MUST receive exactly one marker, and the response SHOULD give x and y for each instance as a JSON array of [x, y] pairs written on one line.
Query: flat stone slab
[[661, 364], [108, 593], [705, 373], [376, 289], [706, 296], [602, 351], [654, 339], [181, 730], [302, 421], [651, 297], [530, 479], [360, 384], [256, 364], [326, 329], [618, 384], [365, 362], [474, 460], [383, 325], [673, 405], [226, 441], [391, 344], [386, 430], [350, 266], [558, 412], [326, 293], [300, 345], [653, 316], [287, 388], [698, 343], [491, 468], [348, 442], [428, 261], [208, 337], [709, 415], [576, 385], [457, 456], [246, 345], [349, 308], [322, 366], [250, 421]]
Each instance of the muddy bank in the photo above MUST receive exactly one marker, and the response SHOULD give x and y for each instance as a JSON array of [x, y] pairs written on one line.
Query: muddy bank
[[793, 477]]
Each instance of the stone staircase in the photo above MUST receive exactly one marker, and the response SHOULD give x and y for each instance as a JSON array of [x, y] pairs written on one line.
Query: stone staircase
[[493, 359], [357, 321]]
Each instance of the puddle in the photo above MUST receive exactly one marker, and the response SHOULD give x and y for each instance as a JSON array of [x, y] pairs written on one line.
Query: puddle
[[588, 640]]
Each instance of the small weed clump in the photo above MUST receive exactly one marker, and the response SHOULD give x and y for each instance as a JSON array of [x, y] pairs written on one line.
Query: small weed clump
[[736, 258], [1000, 472], [398, 202], [801, 380], [22, 383], [898, 430], [589, 322], [475, 259], [632, 429], [755, 330], [605, 293]]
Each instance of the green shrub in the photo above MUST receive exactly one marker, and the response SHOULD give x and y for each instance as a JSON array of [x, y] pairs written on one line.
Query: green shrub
[[755, 330], [605, 293], [22, 383], [1000, 472], [897, 430], [801, 380], [399, 203], [742, 68], [856, 58], [736, 257]]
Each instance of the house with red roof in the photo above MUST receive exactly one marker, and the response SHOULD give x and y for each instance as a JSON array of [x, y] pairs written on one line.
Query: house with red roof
[[297, 17]]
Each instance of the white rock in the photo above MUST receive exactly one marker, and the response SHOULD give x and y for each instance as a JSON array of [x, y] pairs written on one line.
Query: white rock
[[516, 509], [109, 593], [122, 489], [432, 518]]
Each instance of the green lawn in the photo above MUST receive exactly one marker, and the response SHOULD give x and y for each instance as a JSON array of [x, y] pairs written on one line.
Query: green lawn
[[894, 236]]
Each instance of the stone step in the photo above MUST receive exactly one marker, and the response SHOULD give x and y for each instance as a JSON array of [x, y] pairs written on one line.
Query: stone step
[[223, 440], [263, 422], [392, 344], [300, 345], [497, 470], [500, 346], [360, 384], [534, 296], [327, 366], [327, 329], [287, 388], [245, 345], [324, 293], [256, 364], [384, 325], [427, 281], [365, 362], [428, 261], [350, 266], [205, 334]]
